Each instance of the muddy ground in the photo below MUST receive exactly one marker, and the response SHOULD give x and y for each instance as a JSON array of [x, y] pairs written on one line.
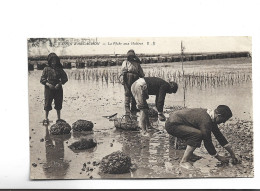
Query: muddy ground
[[153, 157]]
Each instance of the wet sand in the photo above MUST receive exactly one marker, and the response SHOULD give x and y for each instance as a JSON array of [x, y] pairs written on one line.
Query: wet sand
[[153, 156]]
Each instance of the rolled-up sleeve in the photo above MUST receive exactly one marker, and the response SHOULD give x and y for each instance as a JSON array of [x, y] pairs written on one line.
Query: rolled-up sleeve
[[44, 77]]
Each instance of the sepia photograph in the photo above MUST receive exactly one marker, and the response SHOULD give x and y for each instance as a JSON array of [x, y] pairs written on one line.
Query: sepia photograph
[[140, 108]]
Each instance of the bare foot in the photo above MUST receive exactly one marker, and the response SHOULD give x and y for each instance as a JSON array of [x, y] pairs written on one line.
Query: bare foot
[[194, 158], [187, 165], [46, 122]]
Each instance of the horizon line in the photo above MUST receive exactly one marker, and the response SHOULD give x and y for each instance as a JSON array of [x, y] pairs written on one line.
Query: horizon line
[[146, 53]]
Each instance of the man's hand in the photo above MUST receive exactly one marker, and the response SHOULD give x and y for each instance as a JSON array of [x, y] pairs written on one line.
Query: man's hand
[[50, 86], [222, 159], [235, 160], [58, 86]]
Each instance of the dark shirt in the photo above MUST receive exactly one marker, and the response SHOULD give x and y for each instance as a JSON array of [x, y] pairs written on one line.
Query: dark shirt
[[159, 87], [200, 119], [53, 76], [156, 85]]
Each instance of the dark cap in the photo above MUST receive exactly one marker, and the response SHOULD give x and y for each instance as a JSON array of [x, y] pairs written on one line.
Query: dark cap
[[224, 111], [174, 86]]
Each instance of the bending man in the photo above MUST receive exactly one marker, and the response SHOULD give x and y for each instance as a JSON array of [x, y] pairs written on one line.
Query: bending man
[[195, 125], [140, 90], [159, 87]]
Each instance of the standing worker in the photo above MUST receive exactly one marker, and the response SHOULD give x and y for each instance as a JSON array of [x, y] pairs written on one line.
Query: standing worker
[[131, 71], [53, 77]]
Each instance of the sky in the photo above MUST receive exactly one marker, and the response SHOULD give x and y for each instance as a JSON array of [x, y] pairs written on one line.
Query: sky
[[146, 45]]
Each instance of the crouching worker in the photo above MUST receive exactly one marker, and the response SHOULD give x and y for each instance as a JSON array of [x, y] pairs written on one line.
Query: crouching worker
[[140, 93], [195, 125], [159, 87], [53, 77], [131, 71]]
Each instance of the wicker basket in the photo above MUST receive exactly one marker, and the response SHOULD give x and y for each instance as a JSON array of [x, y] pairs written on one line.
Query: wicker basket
[[126, 124]]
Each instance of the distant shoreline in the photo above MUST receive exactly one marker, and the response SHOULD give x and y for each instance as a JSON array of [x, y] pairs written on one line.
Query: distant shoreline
[[116, 60]]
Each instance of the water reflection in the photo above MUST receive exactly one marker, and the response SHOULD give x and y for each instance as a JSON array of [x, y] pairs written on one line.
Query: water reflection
[[137, 147], [83, 134], [174, 154], [92, 99], [56, 166], [141, 151], [85, 142]]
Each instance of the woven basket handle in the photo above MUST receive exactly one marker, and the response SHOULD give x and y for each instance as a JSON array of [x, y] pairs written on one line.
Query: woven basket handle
[[122, 119]]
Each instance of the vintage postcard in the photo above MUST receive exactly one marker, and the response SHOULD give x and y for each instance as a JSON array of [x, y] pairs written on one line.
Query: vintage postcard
[[133, 108]]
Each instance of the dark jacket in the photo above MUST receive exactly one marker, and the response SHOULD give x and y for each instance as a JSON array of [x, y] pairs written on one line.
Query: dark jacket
[[159, 87], [53, 76], [199, 119]]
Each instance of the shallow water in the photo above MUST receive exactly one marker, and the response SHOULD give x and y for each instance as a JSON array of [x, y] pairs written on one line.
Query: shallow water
[[154, 156]]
